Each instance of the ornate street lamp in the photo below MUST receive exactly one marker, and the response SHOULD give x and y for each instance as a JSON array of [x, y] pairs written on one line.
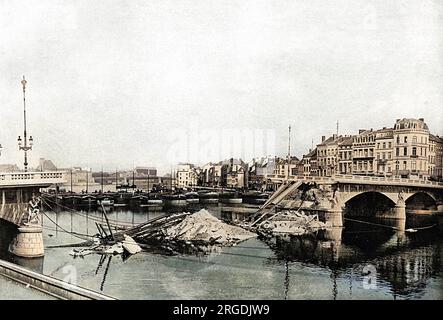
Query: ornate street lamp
[[25, 144]]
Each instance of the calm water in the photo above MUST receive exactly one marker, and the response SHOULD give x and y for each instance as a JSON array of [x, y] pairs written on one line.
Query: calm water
[[330, 265]]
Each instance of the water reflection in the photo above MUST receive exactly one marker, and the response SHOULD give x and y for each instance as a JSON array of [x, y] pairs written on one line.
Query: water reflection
[[405, 262]]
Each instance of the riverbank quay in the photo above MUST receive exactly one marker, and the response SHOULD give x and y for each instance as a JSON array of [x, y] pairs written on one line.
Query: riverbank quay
[[48, 285]]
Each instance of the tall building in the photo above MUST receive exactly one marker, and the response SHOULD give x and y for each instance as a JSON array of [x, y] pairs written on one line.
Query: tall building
[[345, 155], [327, 156], [384, 162], [406, 150], [187, 175], [363, 146], [411, 145], [435, 157]]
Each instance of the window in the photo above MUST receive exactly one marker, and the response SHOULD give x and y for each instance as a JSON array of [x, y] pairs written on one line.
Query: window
[[414, 151], [398, 139], [414, 139], [414, 165], [384, 145], [406, 139], [397, 152], [405, 151], [404, 165], [390, 145]]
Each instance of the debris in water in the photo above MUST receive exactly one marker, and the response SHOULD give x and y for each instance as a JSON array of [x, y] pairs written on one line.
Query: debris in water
[[204, 227], [188, 233], [130, 245], [291, 223]]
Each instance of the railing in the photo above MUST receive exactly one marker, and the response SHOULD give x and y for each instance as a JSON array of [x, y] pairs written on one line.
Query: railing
[[387, 180], [364, 180], [31, 178]]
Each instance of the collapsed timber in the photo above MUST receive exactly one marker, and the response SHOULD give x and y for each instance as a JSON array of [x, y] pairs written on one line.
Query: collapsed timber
[[200, 232], [187, 233]]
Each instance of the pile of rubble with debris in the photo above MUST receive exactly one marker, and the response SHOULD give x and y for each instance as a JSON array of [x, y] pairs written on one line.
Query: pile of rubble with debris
[[197, 232], [128, 246], [291, 223], [175, 233], [203, 226]]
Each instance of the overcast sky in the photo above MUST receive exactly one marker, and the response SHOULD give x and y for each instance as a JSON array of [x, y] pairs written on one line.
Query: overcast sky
[[112, 83]]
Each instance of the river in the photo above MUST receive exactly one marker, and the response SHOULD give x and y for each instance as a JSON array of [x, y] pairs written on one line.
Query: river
[[331, 265]]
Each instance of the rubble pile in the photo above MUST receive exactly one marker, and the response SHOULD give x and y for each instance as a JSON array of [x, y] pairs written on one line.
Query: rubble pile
[[291, 223], [188, 233], [204, 227]]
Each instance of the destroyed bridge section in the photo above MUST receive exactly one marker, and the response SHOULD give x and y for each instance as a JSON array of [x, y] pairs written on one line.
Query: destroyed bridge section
[[345, 188]]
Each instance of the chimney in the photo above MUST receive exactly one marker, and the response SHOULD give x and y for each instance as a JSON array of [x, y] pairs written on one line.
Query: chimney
[[310, 150], [334, 136], [422, 119], [360, 131], [323, 138]]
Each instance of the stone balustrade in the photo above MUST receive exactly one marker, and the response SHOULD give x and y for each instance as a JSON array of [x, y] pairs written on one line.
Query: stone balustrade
[[44, 178], [362, 180]]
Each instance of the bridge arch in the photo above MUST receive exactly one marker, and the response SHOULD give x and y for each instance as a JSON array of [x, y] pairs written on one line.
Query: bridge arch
[[346, 197], [368, 203], [427, 193], [421, 200]]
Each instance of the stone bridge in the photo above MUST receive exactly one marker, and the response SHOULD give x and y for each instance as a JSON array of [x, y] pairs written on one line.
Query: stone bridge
[[19, 205], [17, 188], [342, 189]]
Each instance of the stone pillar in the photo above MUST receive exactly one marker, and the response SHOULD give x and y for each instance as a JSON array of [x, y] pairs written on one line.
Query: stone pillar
[[439, 215], [400, 216], [334, 218], [29, 242]]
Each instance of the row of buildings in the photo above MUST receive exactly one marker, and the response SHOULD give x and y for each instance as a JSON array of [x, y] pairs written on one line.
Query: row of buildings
[[407, 150], [230, 173]]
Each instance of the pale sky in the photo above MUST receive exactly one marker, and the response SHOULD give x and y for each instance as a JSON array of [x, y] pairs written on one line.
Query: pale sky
[[111, 82]]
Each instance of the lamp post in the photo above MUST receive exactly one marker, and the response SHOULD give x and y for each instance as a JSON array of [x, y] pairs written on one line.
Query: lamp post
[[25, 144]]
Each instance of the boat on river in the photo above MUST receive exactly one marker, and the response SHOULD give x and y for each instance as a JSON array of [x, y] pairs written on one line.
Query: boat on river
[[230, 198], [174, 200], [192, 197], [209, 197]]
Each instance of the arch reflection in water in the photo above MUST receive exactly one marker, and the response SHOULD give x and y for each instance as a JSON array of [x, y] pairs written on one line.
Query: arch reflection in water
[[404, 263]]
